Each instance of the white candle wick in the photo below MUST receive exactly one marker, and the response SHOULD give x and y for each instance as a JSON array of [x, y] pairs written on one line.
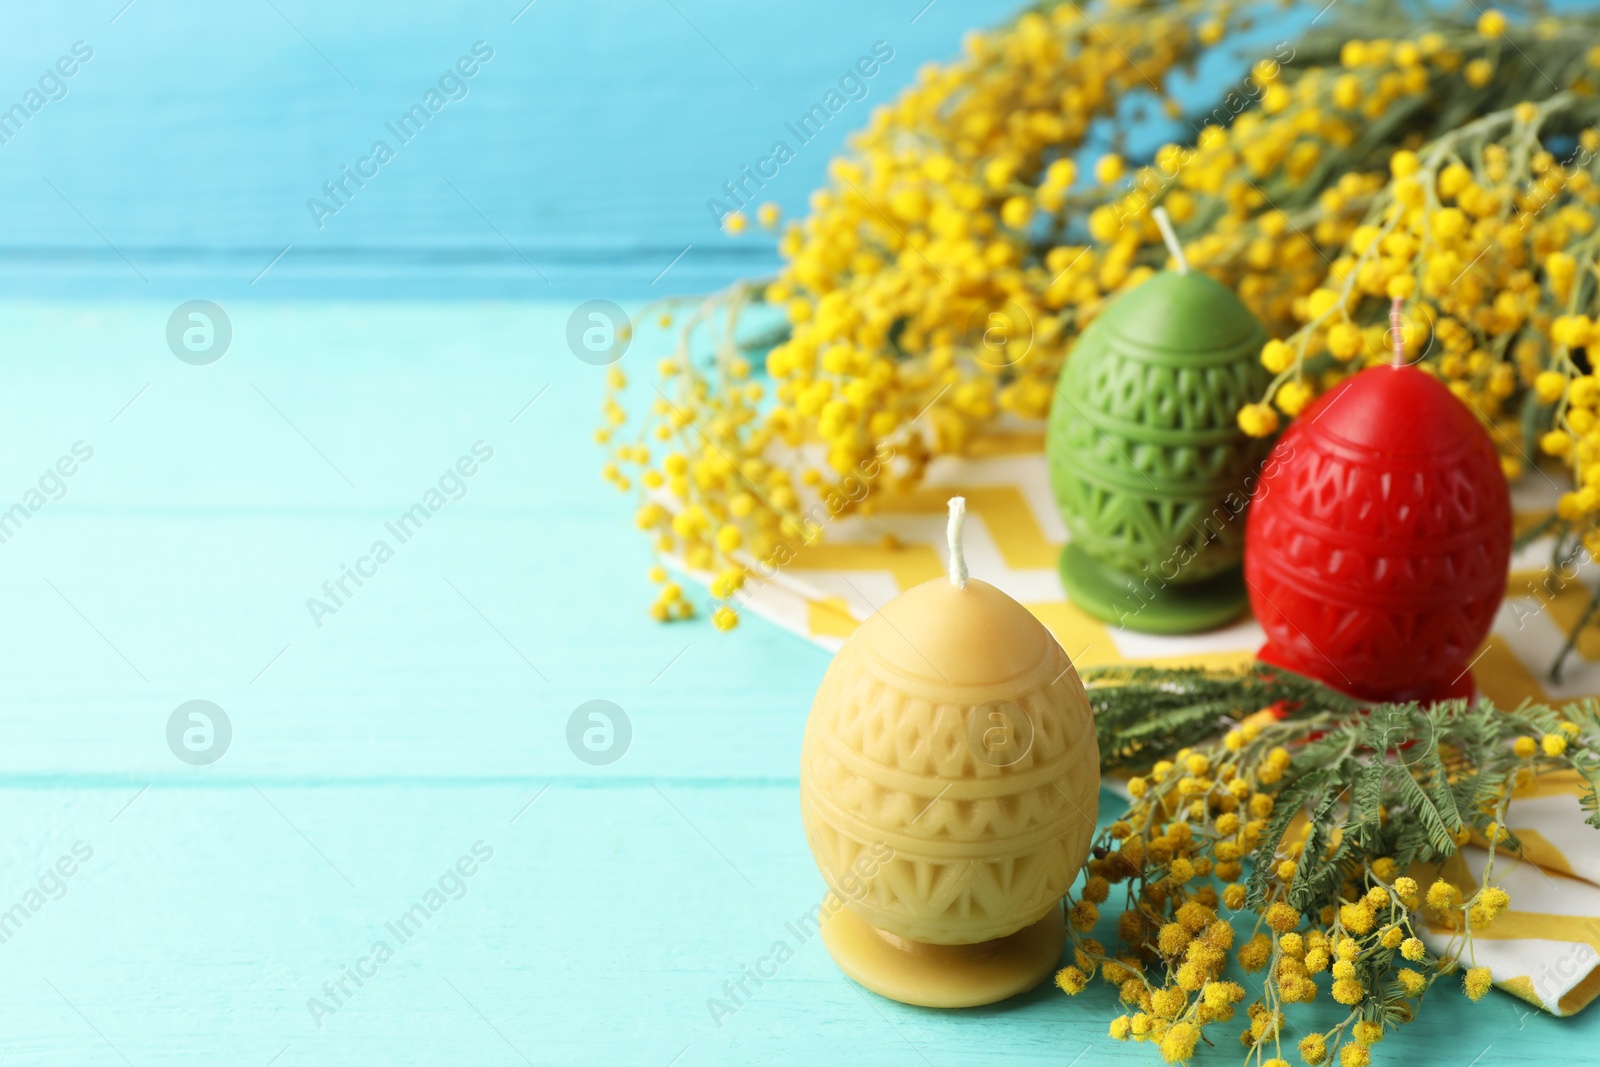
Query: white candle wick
[[1397, 328], [958, 558], [1170, 236]]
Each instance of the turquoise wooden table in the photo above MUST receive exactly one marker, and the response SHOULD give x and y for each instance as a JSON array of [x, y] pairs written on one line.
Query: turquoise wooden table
[[379, 843], [231, 912]]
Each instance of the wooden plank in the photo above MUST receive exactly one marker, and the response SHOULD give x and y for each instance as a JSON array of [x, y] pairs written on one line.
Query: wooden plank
[[598, 932], [587, 146]]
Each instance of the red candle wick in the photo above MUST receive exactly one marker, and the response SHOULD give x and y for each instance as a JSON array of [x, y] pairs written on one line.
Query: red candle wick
[[1398, 331]]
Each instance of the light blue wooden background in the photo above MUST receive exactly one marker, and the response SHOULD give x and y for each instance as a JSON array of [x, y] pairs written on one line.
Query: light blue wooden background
[[431, 712]]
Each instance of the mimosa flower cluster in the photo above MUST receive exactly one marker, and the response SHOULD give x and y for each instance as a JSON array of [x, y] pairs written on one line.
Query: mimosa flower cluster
[[969, 234], [1488, 234], [1312, 852], [933, 234]]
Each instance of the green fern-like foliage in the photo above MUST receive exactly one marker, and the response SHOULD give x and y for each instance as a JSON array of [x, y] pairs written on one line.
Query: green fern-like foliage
[[1259, 795], [1146, 713], [1396, 780]]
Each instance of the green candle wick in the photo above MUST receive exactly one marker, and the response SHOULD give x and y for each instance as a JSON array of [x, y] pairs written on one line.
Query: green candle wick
[[1170, 236]]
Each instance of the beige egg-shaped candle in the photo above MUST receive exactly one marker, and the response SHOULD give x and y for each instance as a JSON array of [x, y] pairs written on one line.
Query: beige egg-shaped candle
[[949, 783]]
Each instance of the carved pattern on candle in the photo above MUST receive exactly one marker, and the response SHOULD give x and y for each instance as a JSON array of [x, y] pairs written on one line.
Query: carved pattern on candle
[[981, 849], [1147, 459], [1379, 539], [1145, 450]]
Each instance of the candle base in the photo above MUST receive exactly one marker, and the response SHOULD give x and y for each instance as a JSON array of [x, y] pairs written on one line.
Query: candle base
[[945, 976], [1150, 605], [1322, 670]]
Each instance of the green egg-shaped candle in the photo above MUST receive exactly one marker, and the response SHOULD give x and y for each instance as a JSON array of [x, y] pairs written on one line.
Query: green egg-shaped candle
[[1148, 463]]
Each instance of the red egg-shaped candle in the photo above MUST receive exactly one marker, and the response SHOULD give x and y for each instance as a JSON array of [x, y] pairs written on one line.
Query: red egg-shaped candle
[[1378, 539]]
